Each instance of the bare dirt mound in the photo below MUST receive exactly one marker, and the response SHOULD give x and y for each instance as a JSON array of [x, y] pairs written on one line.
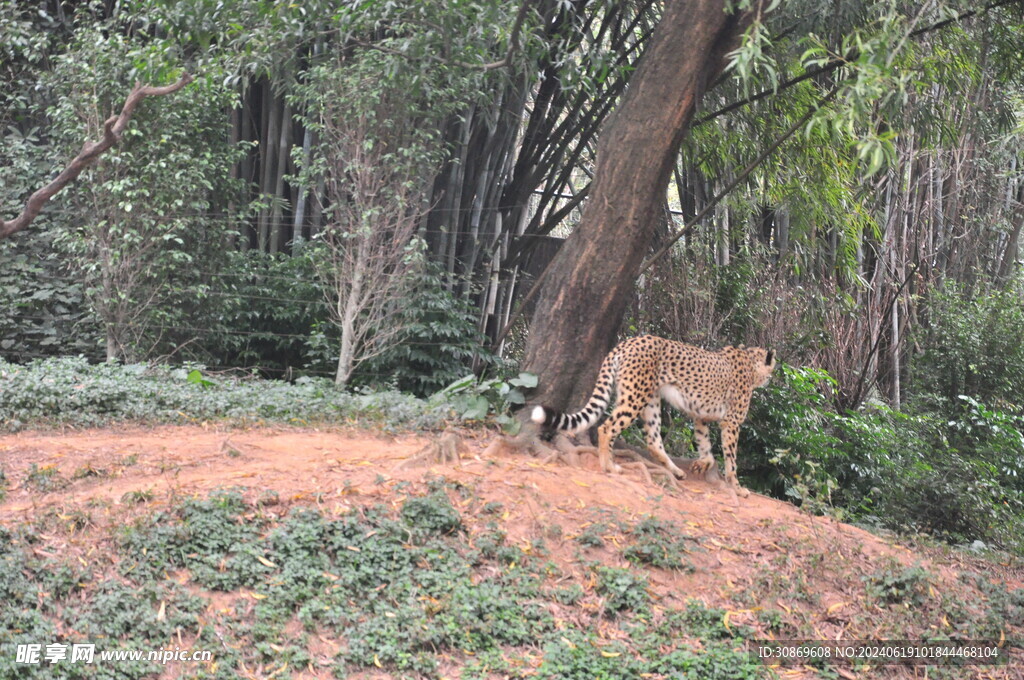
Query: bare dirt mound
[[754, 555]]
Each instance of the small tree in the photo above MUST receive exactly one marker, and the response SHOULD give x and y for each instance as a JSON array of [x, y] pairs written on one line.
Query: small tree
[[112, 130], [368, 254], [374, 158], [144, 226]]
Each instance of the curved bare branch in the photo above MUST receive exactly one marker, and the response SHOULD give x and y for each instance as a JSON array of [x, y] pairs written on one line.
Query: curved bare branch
[[113, 128]]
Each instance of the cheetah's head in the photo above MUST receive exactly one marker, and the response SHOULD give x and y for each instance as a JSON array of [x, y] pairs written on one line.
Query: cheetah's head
[[763, 361]]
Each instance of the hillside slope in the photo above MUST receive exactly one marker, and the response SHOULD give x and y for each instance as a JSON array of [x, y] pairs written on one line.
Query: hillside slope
[[601, 554]]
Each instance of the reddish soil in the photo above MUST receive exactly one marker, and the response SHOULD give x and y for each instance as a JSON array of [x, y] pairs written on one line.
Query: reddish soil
[[754, 548]]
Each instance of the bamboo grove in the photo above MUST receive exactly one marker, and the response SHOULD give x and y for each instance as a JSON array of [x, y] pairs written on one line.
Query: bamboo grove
[[854, 172]]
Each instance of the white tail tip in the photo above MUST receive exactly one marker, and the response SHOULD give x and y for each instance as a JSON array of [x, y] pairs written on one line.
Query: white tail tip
[[537, 415]]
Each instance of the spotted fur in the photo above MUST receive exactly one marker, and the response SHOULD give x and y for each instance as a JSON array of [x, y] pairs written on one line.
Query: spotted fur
[[706, 386]]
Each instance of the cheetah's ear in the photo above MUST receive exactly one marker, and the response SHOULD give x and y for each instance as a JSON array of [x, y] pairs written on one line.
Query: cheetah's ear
[[769, 357]]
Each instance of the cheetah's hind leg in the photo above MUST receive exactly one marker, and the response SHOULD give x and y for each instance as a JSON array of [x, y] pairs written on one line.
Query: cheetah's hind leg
[[705, 460], [701, 466], [655, 446]]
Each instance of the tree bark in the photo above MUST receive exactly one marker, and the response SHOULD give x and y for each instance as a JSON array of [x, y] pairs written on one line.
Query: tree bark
[[781, 233], [581, 307], [268, 159], [1011, 250], [279, 236], [299, 216]]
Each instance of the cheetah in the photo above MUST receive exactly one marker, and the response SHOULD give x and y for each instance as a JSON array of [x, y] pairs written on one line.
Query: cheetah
[[706, 386]]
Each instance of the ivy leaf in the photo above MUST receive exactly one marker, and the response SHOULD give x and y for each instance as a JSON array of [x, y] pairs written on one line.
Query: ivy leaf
[[477, 409], [527, 380]]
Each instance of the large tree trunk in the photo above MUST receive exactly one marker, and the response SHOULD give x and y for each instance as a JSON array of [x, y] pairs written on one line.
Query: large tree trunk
[[591, 279]]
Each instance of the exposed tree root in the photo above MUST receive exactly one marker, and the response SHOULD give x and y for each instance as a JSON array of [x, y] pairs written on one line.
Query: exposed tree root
[[527, 441], [447, 450], [562, 449], [227, 447]]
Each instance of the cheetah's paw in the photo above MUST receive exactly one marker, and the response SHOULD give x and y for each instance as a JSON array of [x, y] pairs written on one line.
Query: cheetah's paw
[[702, 465]]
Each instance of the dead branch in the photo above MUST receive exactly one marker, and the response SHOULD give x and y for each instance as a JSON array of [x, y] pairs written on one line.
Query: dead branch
[[113, 128]]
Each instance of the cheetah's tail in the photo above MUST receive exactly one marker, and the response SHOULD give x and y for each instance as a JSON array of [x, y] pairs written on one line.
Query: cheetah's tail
[[590, 414], [550, 419]]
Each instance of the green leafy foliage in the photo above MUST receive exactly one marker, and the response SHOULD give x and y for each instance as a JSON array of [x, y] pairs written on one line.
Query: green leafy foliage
[[47, 313], [320, 570], [431, 515], [474, 398], [655, 649], [264, 309], [139, 227], [354, 580], [580, 656], [379, 143], [709, 623], [440, 343], [44, 310], [22, 621], [622, 589], [891, 586], [71, 391], [658, 544], [45, 478], [973, 347], [592, 535], [789, 424], [949, 469], [208, 537]]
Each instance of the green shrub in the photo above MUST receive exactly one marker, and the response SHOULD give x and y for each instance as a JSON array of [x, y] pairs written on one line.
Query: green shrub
[[592, 535], [151, 221], [972, 346], [622, 589], [898, 586], [44, 479], [474, 398], [708, 623], [658, 544], [952, 469], [46, 310], [954, 476], [441, 343], [70, 391], [22, 621], [579, 655], [569, 595], [208, 537], [431, 515], [790, 415], [263, 309]]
